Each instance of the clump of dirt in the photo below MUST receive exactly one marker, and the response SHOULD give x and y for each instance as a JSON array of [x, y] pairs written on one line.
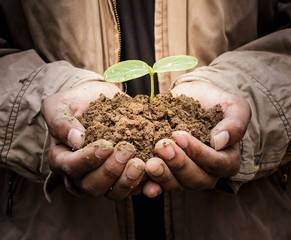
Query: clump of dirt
[[142, 124]]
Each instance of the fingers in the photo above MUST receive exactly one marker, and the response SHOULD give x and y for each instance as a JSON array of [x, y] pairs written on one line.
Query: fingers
[[129, 181], [236, 110], [152, 189], [99, 167], [188, 163], [233, 126], [99, 181], [159, 172], [60, 110], [224, 163], [189, 174], [77, 164]]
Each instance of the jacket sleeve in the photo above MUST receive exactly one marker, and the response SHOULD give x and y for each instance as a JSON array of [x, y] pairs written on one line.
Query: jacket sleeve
[[260, 72], [25, 81]]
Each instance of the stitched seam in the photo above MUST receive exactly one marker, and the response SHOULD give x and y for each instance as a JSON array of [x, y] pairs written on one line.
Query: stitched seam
[[276, 104], [281, 114], [13, 117], [163, 44], [260, 170]]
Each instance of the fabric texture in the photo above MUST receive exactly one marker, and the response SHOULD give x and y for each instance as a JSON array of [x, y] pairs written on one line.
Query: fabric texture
[[243, 47]]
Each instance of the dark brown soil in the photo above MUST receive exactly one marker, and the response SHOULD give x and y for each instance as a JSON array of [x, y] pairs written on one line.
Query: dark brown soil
[[142, 124]]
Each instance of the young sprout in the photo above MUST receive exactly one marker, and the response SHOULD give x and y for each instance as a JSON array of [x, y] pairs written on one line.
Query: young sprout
[[131, 69]]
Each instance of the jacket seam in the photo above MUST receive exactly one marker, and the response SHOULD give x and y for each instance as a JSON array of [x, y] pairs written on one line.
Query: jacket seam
[[14, 115], [281, 115], [254, 172], [163, 31], [276, 105]]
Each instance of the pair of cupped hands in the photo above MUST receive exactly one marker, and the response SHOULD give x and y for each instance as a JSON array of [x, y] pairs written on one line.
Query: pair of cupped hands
[[183, 163]]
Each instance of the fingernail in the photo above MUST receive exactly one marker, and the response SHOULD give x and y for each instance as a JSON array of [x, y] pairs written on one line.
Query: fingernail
[[124, 151], [158, 170], [76, 138], [102, 154], [152, 193], [220, 140], [165, 149], [180, 138], [122, 157], [103, 148], [133, 172]]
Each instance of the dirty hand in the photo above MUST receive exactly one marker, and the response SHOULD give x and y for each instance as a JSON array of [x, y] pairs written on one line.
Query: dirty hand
[[99, 168], [187, 163]]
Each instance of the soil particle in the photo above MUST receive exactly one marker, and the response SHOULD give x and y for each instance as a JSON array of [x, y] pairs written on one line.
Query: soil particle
[[136, 121], [137, 163], [125, 147], [102, 144], [63, 115]]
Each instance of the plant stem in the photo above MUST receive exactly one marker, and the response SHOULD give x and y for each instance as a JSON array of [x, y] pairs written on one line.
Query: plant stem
[[152, 87]]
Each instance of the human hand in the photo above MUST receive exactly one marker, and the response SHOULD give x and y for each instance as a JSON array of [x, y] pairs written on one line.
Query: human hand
[[99, 168], [188, 163]]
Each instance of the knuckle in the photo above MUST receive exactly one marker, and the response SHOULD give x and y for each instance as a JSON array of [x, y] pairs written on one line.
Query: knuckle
[[60, 164], [90, 189], [165, 178], [63, 166], [178, 165], [235, 166], [197, 151], [54, 127], [198, 184], [91, 162], [234, 162], [111, 172], [240, 128], [56, 165], [126, 187], [216, 164], [202, 182]]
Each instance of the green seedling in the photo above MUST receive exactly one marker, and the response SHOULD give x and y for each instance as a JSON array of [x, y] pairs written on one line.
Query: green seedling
[[131, 69]]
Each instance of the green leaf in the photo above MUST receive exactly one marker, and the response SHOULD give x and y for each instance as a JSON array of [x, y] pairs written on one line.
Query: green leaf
[[126, 70], [175, 63]]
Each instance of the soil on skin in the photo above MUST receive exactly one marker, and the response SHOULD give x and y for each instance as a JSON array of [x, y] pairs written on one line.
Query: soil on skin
[[142, 124]]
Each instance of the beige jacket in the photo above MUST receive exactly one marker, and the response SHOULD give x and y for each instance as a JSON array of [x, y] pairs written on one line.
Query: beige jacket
[[242, 46]]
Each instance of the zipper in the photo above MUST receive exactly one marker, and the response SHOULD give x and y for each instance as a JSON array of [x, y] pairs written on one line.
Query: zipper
[[118, 27]]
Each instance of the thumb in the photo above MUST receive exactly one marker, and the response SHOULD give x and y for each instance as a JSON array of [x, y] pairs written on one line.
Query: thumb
[[75, 138], [232, 128], [63, 125]]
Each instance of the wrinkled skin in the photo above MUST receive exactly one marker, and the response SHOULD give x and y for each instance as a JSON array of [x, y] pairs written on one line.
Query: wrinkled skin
[[112, 171], [186, 163], [97, 170]]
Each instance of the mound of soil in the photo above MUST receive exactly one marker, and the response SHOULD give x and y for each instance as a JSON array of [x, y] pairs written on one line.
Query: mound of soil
[[142, 124]]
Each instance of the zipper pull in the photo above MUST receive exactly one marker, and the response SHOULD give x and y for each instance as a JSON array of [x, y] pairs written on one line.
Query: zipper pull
[[284, 183], [284, 179]]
